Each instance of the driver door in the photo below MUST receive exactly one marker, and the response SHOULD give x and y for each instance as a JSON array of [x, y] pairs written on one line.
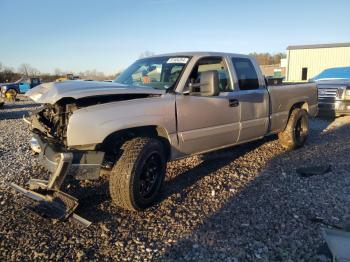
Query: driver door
[[207, 123]]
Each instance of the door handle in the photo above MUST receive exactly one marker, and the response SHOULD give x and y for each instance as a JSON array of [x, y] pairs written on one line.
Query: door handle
[[233, 102]]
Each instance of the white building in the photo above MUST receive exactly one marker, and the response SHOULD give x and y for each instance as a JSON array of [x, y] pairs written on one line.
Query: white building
[[307, 61]]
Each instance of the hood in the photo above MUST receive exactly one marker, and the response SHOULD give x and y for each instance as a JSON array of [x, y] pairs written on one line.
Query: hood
[[335, 82], [50, 93], [8, 84], [12, 83]]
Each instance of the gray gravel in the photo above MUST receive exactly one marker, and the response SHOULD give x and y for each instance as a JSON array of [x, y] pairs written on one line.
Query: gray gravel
[[246, 202]]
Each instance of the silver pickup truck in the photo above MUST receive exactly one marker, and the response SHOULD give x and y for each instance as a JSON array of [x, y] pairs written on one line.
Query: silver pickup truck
[[160, 109]]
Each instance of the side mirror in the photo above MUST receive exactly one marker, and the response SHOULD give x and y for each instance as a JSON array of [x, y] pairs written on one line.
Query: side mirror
[[208, 86]]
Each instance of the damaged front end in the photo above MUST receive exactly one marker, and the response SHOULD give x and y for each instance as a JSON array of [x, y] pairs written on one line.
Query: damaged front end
[[51, 121], [48, 125], [49, 129]]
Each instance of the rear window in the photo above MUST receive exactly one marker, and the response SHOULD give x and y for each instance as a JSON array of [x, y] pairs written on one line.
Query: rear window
[[246, 74]]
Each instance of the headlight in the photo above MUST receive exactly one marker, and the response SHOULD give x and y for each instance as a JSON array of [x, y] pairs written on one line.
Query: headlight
[[3, 89], [347, 91]]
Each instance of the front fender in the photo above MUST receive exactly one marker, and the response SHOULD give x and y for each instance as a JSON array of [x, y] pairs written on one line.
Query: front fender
[[93, 124]]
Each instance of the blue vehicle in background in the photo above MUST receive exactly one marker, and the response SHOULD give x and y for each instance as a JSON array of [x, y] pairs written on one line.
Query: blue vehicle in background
[[19, 87], [333, 85], [333, 73]]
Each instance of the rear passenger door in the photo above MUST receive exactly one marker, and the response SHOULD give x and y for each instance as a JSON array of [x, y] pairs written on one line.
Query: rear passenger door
[[253, 98]]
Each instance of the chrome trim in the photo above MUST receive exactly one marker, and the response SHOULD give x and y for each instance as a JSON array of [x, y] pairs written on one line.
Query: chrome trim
[[327, 92]]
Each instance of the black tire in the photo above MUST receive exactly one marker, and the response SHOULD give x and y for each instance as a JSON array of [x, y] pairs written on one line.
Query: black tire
[[296, 131], [138, 174]]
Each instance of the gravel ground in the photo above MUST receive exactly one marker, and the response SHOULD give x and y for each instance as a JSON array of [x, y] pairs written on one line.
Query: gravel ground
[[245, 202]]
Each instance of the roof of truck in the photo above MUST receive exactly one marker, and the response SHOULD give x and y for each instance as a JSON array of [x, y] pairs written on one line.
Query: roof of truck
[[201, 53]]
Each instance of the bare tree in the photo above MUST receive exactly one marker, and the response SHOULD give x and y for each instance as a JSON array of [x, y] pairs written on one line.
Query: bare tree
[[34, 72], [27, 70], [23, 69], [267, 58], [8, 75]]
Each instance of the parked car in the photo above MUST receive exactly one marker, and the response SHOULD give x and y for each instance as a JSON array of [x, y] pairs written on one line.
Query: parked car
[[333, 86], [19, 87], [160, 109]]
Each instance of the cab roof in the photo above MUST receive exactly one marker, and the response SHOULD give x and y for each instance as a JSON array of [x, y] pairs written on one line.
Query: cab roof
[[200, 54]]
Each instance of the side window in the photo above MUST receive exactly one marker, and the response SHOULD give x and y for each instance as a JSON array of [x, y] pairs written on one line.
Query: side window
[[212, 63], [246, 74]]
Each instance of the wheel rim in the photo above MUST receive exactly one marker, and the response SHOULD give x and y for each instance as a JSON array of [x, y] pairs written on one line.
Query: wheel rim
[[300, 129], [151, 172]]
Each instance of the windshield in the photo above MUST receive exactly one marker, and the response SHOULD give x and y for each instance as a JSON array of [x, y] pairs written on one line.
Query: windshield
[[333, 73], [156, 72]]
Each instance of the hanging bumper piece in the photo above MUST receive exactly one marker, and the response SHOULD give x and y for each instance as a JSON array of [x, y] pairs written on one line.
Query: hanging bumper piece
[[45, 197]]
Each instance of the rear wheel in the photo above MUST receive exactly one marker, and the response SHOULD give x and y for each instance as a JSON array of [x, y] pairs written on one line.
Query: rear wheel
[[296, 131], [138, 174]]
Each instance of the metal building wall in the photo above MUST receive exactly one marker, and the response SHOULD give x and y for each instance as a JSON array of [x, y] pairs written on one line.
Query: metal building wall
[[315, 60]]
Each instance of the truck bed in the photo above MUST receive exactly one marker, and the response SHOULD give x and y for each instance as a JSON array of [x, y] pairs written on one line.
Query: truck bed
[[283, 97]]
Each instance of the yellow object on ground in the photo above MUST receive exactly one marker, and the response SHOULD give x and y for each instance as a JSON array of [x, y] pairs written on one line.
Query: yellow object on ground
[[11, 95]]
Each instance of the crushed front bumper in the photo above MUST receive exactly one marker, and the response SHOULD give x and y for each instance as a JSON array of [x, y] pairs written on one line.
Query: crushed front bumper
[[86, 165], [46, 197]]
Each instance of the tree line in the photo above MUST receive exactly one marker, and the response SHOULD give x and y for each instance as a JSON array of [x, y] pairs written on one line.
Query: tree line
[[9, 74], [268, 59]]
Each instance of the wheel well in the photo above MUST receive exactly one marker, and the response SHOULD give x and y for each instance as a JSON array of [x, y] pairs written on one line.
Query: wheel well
[[116, 139], [302, 105]]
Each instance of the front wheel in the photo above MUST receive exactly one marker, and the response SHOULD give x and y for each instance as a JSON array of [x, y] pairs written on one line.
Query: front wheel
[[138, 174], [296, 131]]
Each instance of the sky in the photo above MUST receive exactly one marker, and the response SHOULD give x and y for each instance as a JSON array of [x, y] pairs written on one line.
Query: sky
[[108, 35]]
